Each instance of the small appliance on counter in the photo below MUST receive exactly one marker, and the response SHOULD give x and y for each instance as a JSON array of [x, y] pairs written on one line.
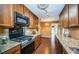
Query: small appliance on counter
[[65, 32], [3, 40]]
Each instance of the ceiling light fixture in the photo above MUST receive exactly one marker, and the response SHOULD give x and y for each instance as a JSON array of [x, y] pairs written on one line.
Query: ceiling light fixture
[[43, 7]]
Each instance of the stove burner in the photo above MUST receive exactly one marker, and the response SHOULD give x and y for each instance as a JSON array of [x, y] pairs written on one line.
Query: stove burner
[[23, 40]]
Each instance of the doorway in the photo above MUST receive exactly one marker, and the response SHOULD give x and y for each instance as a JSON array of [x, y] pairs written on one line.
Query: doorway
[[53, 33]]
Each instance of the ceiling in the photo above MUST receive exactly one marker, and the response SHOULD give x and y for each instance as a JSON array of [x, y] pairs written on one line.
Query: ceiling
[[53, 10]]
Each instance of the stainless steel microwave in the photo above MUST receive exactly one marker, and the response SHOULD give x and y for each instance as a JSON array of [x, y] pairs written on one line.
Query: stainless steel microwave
[[21, 20]]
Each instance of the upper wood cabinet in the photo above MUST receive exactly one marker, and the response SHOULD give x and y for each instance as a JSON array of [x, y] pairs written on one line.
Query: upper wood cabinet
[[31, 20], [26, 12], [73, 15], [64, 21], [18, 8], [35, 21], [6, 15], [21, 9], [69, 16], [61, 20], [65, 17]]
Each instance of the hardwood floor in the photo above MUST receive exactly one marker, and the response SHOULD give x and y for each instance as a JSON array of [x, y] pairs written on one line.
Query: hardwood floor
[[45, 47]]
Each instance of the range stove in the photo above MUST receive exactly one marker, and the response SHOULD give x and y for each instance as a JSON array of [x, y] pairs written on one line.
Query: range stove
[[27, 43], [23, 40]]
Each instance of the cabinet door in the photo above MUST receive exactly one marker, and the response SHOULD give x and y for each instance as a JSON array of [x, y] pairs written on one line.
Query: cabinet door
[[65, 17], [59, 48], [73, 15], [21, 9], [31, 20], [35, 21], [15, 50], [61, 20], [6, 15], [26, 12], [18, 8], [64, 51]]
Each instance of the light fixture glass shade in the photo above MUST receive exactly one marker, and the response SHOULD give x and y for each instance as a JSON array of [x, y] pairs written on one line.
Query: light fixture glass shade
[[42, 6]]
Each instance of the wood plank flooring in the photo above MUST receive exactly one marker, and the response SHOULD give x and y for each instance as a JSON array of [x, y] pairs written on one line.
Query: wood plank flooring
[[45, 47]]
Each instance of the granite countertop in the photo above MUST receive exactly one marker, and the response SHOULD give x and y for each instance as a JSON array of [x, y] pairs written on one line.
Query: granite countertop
[[34, 35], [12, 44], [33, 39], [68, 43], [8, 46]]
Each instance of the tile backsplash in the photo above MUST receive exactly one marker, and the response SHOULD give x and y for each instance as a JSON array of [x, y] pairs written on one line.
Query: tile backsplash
[[74, 32], [4, 32], [28, 31]]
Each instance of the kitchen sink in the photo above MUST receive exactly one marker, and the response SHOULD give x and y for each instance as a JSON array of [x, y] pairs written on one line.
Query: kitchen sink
[[75, 50]]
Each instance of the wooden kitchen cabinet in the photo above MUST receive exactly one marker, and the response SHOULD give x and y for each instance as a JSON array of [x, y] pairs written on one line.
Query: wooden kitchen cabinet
[[18, 8], [64, 21], [69, 16], [37, 41], [6, 15], [35, 21], [15, 50], [31, 20], [64, 51], [61, 20], [73, 15], [58, 47], [65, 17], [22, 9], [26, 12]]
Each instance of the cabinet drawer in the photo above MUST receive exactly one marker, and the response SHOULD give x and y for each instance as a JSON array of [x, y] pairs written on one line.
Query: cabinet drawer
[[14, 50]]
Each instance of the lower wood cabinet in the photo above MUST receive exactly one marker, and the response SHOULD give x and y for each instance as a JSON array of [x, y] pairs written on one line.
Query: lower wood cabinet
[[64, 51], [15, 50], [29, 49], [59, 48], [37, 41]]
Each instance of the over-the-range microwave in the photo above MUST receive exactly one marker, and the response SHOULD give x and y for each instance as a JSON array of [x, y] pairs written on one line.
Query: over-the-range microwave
[[21, 20]]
